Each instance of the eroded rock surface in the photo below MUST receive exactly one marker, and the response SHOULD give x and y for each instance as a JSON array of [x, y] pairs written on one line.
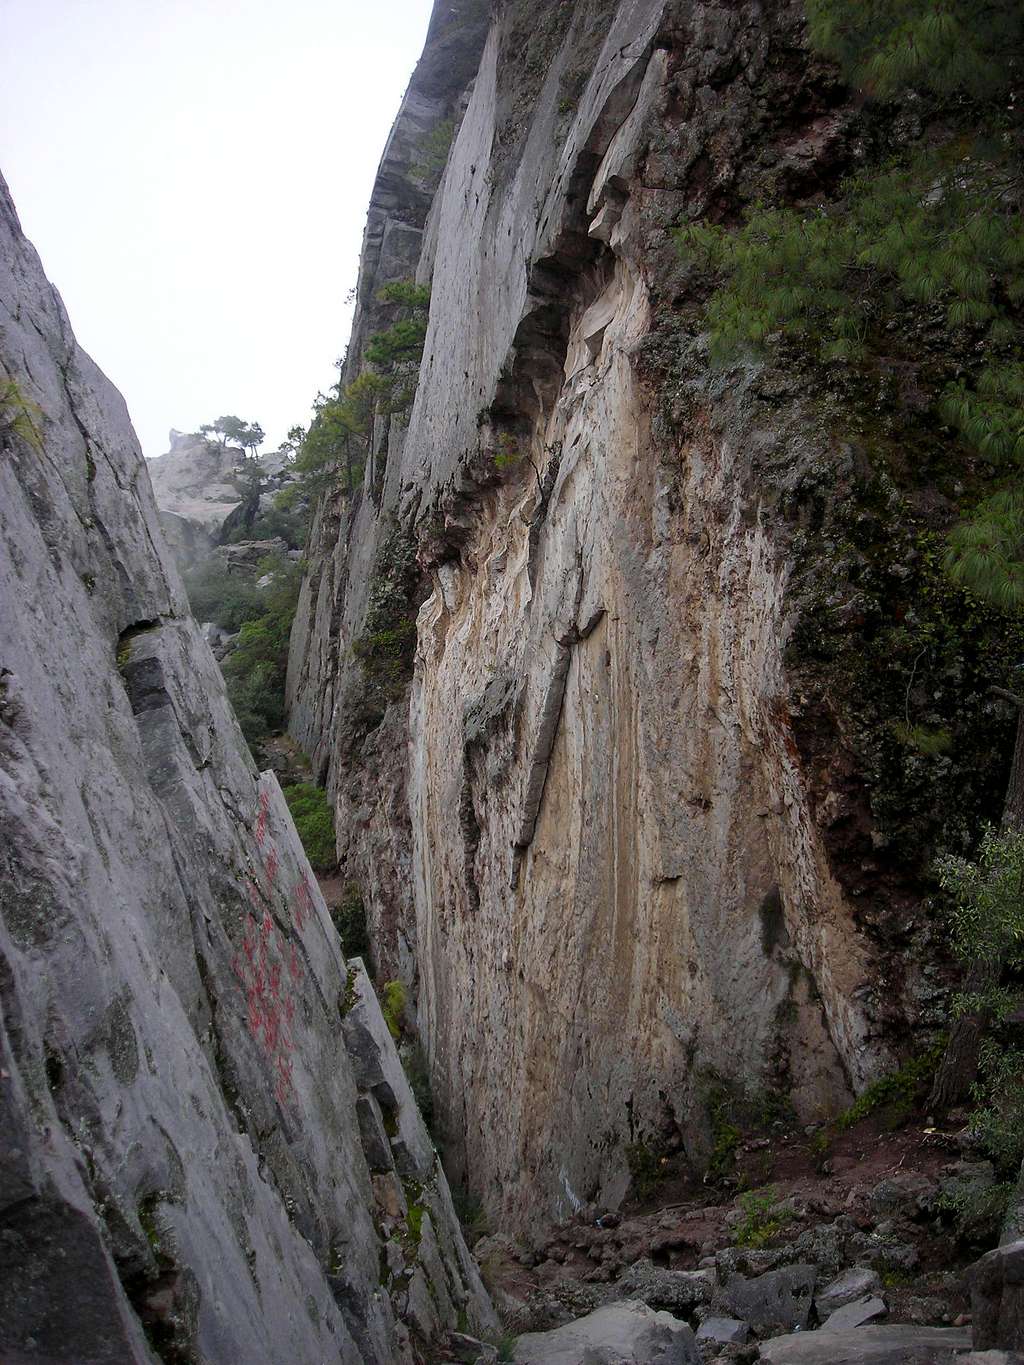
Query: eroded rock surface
[[184, 1173], [627, 1333], [586, 834]]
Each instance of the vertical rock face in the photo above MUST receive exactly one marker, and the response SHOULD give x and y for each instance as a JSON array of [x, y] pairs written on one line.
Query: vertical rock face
[[185, 1169], [589, 830]]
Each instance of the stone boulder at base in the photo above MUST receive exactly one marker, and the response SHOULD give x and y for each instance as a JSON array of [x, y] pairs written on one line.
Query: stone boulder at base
[[852, 1284], [626, 1333], [777, 1301], [869, 1346], [997, 1298]]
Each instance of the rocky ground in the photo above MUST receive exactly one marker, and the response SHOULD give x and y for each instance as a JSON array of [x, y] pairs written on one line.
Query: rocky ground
[[824, 1245]]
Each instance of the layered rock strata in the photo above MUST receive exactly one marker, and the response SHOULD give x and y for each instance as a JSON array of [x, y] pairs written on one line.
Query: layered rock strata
[[615, 836], [186, 1172]]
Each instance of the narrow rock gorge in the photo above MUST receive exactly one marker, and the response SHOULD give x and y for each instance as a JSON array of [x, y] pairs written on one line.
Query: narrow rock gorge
[[645, 699], [209, 1145]]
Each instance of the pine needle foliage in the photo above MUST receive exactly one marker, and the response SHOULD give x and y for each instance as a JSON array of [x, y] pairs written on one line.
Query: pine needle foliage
[[939, 228], [945, 46], [986, 896], [337, 442], [986, 552]]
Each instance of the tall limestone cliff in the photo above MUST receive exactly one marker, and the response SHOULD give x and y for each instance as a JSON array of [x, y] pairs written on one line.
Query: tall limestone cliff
[[616, 822], [208, 1149]]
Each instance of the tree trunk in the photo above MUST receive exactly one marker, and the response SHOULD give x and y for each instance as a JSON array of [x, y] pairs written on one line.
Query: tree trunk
[[959, 1064]]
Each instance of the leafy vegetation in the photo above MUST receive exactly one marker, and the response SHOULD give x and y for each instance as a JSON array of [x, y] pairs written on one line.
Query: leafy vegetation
[[764, 1218], [432, 151], [18, 416], [219, 594], [336, 445], [937, 228], [986, 897], [897, 1092], [887, 46], [314, 820], [256, 668], [392, 1004], [349, 917], [248, 435]]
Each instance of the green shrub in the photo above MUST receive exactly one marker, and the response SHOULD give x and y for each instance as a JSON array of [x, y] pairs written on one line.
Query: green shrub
[[417, 1072], [392, 1006], [349, 917], [899, 1091], [645, 1168], [763, 1220], [228, 599], [987, 921], [314, 821], [432, 150], [18, 416]]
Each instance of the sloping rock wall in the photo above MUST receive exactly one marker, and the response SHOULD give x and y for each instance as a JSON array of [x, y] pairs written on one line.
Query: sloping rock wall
[[184, 1172], [589, 833]]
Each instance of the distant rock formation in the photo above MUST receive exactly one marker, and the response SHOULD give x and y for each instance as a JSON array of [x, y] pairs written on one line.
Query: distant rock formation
[[201, 487]]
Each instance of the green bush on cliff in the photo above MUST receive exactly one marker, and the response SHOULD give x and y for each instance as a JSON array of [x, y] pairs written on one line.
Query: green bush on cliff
[[225, 597], [886, 46], [255, 670], [986, 898], [311, 811], [18, 416]]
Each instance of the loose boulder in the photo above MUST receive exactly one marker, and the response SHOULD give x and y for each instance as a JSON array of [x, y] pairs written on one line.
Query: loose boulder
[[777, 1301], [869, 1346], [626, 1333], [997, 1298]]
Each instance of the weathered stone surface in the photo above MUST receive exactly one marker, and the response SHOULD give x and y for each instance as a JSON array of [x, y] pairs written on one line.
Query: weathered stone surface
[[594, 783], [997, 1298], [177, 1115], [869, 1346], [198, 480], [777, 1301], [855, 1314], [845, 1288], [724, 1331], [679, 1291], [627, 1333]]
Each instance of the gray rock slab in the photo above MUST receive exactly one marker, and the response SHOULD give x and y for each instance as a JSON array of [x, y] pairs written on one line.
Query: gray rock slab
[[851, 1284], [678, 1291], [997, 1298], [869, 1346], [625, 1333], [856, 1314], [724, 1331], [779, 1300]]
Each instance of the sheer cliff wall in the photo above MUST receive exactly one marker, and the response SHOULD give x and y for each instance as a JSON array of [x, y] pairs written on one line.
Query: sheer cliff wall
[[209, 1150], [611, 832]]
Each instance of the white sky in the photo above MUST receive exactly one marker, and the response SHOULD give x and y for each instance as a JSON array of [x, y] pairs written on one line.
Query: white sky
[[195, 175]]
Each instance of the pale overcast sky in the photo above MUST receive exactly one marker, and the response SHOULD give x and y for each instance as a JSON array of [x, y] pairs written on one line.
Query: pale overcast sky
[[195, 176]]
